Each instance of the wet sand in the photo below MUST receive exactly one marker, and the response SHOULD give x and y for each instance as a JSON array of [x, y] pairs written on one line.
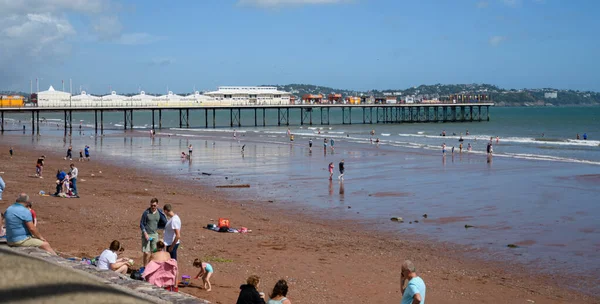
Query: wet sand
[[325, 260]]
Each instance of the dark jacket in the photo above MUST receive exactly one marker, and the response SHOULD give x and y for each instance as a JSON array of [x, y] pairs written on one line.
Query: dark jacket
[[249, 295], [161, 223]]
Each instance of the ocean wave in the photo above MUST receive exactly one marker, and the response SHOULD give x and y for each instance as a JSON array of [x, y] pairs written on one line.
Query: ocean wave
[[522, 140]]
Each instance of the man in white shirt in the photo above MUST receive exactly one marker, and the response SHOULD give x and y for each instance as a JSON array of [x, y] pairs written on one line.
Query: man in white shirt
[[108, 259], [73, 176], [172, 231]]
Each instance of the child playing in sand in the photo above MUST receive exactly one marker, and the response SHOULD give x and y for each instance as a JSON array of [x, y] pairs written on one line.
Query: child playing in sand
[[80, 155], [205, 273], [39, 166]]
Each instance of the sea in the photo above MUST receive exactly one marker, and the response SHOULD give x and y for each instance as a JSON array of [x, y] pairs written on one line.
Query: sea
[[535, 202]]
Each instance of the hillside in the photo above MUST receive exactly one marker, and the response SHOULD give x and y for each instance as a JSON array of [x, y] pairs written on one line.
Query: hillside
[[502, 97]]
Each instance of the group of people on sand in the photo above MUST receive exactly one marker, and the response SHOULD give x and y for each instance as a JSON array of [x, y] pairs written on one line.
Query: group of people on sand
[[341, 169], [66, 183], [85, 151]]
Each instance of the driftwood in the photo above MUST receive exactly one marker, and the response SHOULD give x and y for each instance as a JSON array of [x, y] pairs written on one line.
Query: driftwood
[[234, 186]]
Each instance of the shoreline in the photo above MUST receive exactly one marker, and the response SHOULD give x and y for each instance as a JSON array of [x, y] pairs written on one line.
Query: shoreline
[[369, 259]]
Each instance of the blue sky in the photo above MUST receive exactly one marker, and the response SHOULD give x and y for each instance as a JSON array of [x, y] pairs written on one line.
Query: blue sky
[[353, 44]]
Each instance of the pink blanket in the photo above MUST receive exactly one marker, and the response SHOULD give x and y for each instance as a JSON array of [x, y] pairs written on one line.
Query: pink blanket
[[161, 274]]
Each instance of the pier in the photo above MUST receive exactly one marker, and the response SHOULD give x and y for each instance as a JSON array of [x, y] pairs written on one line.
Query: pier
[[310, 114]]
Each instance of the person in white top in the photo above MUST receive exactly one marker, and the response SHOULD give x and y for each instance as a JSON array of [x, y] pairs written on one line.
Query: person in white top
[[172, 231], [73, 176], [108, 259]]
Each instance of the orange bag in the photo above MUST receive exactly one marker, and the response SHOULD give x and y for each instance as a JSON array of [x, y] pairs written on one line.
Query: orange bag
[[224, 222]]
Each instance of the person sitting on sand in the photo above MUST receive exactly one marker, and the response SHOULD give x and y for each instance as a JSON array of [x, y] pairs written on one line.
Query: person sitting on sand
[[415, 289], [161, 254], [161, 271], [108, 260], [29, 206], [20, 231], [249, 293], [278, 296], [61, 177], [2, 187], [206, 271]]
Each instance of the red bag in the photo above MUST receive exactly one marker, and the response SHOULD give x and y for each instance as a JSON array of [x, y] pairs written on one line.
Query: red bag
[[224, 223]]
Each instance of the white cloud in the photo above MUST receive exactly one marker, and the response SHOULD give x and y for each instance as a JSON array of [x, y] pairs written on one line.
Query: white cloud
[[496, 40], [107, 27], [276, 3], [482, 4], [37, 33]]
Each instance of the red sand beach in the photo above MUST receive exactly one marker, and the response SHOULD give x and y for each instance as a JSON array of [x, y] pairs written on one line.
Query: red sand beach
[[325, 262]]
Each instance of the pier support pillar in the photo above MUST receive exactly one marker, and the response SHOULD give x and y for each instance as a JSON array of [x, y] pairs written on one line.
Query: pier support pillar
[[101, 122], [255, 121], [214, 118], [471, 109], [96, 121], [264, 118], [310, 116], [65, 120], [343, 115], [479, 113], [152, 119], [70, 122], [159, 118], [187, 118], [279, 116], [125, 119], [206, 118], [231, 117], [287, 118], [2, 121], [488, 112], [32, 122], [350, 114], [180, 119]]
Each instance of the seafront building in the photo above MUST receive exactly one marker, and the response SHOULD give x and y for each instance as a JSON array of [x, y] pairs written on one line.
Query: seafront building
[[250, 95], [222, 96]]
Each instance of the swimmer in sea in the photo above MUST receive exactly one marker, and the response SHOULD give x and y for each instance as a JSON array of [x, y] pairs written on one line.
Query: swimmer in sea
[[444, 149], [460, 148], [469, 147]]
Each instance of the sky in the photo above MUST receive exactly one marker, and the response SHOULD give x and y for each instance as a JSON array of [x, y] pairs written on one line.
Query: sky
[[157, 46]]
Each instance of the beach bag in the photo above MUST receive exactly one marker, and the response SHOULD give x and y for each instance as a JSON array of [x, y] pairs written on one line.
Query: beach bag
[[224, 223], [136, 275]]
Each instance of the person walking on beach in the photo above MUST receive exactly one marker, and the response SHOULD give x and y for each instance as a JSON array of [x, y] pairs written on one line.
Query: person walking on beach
[[73, 174], [190, 150], [325, 144], [415, 289], [172, 231], [310, 145], [497, 139], [87, 152], [80, 155], [444, 149], [460, 148], [332, 142], [69, 153], [489, 148], [11, 150], [234, 133], [341, 168], [20, 231], [584, 136], [152, 220], [39, 166], [330, 171]]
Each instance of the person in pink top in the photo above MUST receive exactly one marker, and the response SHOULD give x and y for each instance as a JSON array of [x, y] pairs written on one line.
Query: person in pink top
[[330, 171]]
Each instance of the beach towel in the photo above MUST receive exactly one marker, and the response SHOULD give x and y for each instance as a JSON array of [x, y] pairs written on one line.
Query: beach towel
[[161, 274], [230, 230]]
